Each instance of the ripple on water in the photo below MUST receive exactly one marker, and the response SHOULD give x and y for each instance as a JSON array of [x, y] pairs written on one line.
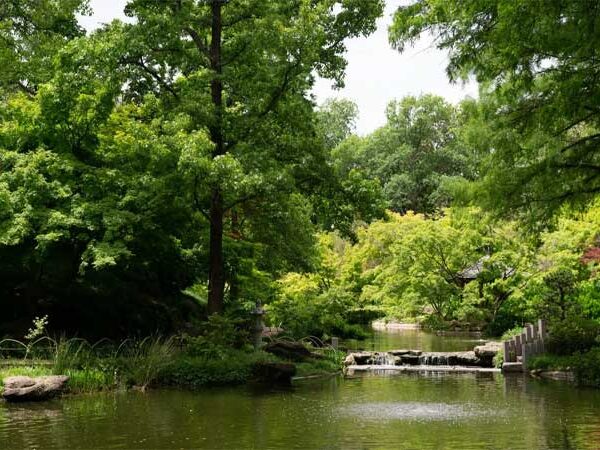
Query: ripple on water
[[417, 411]]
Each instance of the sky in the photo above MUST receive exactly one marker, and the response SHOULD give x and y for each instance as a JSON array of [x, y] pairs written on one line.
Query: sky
[[376, 74]]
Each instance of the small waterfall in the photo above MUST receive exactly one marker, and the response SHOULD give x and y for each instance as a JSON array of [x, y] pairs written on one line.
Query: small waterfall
[[383, 359], [414, 358]]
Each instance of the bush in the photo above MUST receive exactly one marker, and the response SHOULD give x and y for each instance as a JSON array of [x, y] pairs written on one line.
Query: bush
[[194, 372], [587, 367], [550, 362], [508, 334], [305, 308], [572, 336], [219, 335]]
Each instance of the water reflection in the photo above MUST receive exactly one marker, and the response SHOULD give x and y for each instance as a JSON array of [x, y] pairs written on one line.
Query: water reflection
[[417, 340], [445, 411]]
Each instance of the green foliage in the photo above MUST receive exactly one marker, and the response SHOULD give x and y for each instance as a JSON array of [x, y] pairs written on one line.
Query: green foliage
[[538, 125], [508, 334], [31, 31], [142, 362], [220, 334], [576, 334], [585, 365], [38, 329], [233, 368], [308, 307], [498, 359], [415, 155]]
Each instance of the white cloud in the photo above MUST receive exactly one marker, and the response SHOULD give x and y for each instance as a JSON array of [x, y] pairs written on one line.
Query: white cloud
[[376, 74]]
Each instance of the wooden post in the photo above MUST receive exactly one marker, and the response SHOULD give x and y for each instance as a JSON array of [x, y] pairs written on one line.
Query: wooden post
[[524, 339], [513, 350], [529, 332], [518, 346], [507, 354], [524, 355], [542, 329]]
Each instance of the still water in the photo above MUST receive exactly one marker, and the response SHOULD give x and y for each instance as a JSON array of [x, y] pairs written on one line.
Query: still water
[[370, 411], [395, 339]]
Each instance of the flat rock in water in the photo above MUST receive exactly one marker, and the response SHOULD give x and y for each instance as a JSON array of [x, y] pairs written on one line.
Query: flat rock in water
[[558, 375], [489, 348], [27, 389], [512, 367], [361, 358]]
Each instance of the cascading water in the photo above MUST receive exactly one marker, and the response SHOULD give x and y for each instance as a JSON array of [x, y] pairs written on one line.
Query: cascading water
[[434, 360], [416, 358], [383, 359]]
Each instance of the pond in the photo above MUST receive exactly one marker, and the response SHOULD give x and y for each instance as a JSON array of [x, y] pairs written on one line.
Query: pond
[[368, 411], [414, 339], [424, 411]]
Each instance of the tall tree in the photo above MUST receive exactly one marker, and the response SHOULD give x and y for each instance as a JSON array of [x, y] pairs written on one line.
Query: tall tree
[[538, 60], [254, 63]]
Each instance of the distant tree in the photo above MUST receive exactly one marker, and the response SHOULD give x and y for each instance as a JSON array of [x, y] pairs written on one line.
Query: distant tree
[[416, 155], [346, 194]]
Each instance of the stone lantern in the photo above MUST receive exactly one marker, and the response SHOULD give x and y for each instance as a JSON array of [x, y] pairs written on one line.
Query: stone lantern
[[258, 312]]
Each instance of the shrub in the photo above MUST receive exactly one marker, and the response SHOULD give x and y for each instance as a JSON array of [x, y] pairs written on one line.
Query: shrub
[[197, 371], [508, 334], [571, 336], [587, 367], [550, 362], [219, 335]]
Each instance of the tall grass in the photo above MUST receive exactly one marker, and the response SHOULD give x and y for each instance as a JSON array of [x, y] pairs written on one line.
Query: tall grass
[[99, 366], [143, 361]]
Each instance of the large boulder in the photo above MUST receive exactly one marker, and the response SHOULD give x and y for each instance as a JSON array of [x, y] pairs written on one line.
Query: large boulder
[[487, 352], [360, 358], [349, 360], [463, 359], [27, 389]]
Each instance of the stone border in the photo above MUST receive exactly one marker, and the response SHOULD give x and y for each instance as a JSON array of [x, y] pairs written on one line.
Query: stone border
[[455, 369]]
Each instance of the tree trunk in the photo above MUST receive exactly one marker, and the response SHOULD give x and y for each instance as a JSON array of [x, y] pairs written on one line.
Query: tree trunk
[[216, 277]]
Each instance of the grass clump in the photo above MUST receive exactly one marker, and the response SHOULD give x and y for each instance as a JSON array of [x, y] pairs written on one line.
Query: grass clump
[[141, 363]]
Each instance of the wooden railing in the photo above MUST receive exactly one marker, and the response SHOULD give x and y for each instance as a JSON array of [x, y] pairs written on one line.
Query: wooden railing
[[527, 344]]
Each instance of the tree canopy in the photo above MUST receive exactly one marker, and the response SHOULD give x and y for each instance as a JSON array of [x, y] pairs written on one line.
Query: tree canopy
[[536, 62]]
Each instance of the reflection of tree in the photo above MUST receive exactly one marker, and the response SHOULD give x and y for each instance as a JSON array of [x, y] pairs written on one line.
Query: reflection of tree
[[559, 414]]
